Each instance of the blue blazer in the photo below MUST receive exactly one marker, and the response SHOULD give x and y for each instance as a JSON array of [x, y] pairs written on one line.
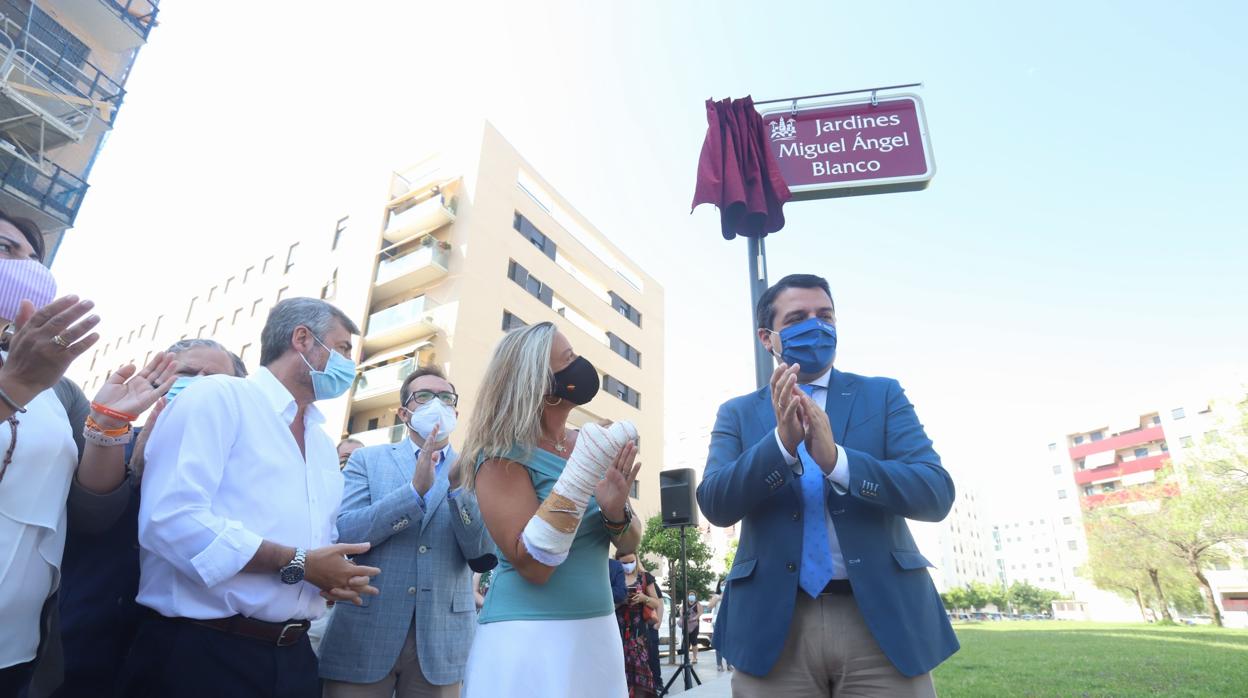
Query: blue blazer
[[894, 475], [423, 555]]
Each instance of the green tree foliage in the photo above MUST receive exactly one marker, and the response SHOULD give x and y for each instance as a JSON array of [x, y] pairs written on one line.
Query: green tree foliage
[[659, 543], [730, 556], [1136, 566], [1025, 598]]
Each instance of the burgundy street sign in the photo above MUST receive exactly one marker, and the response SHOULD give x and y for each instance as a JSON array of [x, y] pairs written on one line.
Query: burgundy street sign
[[852, 148]]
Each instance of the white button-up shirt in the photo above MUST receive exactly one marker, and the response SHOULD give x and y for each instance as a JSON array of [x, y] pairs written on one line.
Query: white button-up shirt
[[838, 478], [223, 474]]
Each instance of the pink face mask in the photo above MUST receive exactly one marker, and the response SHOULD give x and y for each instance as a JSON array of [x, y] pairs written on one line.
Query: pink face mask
[[24, 280]]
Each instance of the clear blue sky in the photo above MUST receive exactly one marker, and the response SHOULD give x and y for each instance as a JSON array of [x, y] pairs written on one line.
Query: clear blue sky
[[1079, 254]]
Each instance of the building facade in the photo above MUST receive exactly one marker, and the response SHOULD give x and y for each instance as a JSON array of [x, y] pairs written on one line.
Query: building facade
[[463, 247], [63, 70], [963, 545]]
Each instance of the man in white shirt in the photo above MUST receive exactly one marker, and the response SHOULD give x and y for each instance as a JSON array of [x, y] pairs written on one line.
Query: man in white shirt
[[237, 523]]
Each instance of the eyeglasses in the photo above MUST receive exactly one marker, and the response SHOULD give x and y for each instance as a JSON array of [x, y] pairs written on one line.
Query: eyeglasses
[[424, 396]]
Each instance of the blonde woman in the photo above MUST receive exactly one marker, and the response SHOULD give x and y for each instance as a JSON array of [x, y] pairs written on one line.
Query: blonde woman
[[548, 624]]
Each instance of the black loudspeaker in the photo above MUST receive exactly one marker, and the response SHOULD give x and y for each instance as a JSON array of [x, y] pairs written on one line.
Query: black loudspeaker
[[676, 495]]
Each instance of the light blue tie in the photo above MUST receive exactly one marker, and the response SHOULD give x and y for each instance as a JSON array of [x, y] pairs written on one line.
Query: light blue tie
[[816, 548]]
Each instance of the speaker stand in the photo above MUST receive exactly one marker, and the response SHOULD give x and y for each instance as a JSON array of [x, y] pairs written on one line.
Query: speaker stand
[[685, 669]]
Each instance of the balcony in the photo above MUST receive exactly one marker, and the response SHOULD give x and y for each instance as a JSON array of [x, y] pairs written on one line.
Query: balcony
[[419, 180], [378, 437], [1130, 495], [424, 217], [1118, 443], [118, 25], [49, 198], [412, 270], [379, 387], [399, 324], [1113, 472]]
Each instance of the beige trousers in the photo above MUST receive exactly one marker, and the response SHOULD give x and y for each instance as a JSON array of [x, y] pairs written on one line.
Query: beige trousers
[[830, 652], [405, 680]]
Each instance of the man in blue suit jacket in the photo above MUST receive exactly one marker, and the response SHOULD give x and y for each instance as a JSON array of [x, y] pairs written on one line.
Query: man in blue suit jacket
[[828, 594], [413, 638]]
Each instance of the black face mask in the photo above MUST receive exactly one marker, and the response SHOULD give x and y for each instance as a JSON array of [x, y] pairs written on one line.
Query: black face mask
[[578, 383]]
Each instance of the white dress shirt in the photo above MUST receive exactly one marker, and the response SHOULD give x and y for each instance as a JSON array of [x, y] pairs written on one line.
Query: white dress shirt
[[838, 478], [223, 474], [32, 521]]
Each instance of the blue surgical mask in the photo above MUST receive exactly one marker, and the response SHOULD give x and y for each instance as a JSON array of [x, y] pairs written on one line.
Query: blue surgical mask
[[810, 344], [335, 379], [178, 386]]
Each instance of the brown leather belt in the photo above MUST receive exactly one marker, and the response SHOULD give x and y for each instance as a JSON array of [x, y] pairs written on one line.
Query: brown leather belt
[[279, 634], [840, 587]]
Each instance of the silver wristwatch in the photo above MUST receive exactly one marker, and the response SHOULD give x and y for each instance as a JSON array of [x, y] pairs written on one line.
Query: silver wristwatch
[[292, 573]]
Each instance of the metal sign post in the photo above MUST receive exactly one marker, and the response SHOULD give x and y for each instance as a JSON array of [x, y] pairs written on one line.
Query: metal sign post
[[758, 284]]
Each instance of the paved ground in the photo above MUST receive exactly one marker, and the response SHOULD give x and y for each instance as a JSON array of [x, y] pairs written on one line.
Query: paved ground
[[715, 684]]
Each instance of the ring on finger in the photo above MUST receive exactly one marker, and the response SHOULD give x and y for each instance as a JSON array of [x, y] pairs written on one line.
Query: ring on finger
[[60, 341]]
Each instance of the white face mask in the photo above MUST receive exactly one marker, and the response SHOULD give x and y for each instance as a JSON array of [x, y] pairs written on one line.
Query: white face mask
[[629, 566], [693, 599], [425, 416]]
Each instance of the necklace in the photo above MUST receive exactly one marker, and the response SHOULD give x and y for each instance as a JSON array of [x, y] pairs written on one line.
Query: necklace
[[562, 444]]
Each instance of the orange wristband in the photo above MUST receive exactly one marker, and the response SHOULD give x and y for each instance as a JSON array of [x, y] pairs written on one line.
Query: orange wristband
[[120, 431], [115, 414]]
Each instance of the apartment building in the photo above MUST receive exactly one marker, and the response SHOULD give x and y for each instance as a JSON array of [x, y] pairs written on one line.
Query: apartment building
[[963, 549], [463, 247], [63, 70]]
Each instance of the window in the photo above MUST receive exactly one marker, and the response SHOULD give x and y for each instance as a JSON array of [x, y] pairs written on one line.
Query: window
[[1156, 419], [623, 392], [1185, 441], [247, 273], [1053, 447], [1212, 437], [1109, 487], [624, 349], [535, 236], [330, 289], [625, 309], [338, 231], [212, 292], [202, 329], [55, 45], [1079, 439], [228, 283], [1097, 436], [191, 308], [147, 357], [1087, 489], [1057, 468], [634, 491], [290, 257], [243, 354], [264, 269], [511, 322], [1178, 413], [537, 289], [1066, 520], [372, 424], [1061, 494], [1072, 545], [156, 325], [94, 355], [1141, 453], [237, 313], [216, 326], [255, 306], [281, 293]]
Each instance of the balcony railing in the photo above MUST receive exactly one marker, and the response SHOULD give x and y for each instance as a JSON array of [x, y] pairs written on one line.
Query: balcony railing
[[395, 317], [377, 387], [406, 322], [139, 14], [1117, 443], [381, 436], [1117, 470], [65, 69], [57, 193], [424, 217], [412, 270]]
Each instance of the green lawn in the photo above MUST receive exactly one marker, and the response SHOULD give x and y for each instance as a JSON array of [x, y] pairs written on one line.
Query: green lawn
[[1056, 658]]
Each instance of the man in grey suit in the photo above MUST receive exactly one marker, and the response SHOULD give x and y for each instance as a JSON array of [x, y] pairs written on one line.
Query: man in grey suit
[[413, 638]]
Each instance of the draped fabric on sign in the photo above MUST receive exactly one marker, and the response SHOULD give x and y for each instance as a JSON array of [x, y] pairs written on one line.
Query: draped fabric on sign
[[738, 173]]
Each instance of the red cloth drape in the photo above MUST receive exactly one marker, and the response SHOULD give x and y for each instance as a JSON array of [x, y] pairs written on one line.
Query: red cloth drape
[[738, 172]]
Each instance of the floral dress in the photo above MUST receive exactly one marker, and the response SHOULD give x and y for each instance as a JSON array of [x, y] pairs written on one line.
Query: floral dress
[[633, 630]]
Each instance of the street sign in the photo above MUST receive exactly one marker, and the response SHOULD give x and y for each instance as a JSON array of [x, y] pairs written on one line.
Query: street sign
[[852, 148]]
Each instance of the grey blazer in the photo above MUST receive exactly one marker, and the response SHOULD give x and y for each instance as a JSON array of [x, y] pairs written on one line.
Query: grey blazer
[[423, 555]]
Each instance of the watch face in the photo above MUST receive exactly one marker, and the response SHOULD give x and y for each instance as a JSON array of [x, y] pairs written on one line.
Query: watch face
[[292, 574]]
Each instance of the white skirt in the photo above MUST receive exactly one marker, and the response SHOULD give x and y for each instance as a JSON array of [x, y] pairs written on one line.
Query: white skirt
[[547, 658]]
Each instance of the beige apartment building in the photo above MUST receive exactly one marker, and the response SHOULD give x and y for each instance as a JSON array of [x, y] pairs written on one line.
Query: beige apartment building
[[463, 246], [63, 70]]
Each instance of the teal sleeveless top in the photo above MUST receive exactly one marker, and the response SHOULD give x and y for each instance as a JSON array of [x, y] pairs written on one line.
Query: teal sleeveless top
[[579, 588]]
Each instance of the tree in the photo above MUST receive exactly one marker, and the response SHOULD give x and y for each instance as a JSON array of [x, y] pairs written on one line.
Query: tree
[[999, 596], [1032, 599], [1122, 560], [977, 594], [954, 599], [664, 543]]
